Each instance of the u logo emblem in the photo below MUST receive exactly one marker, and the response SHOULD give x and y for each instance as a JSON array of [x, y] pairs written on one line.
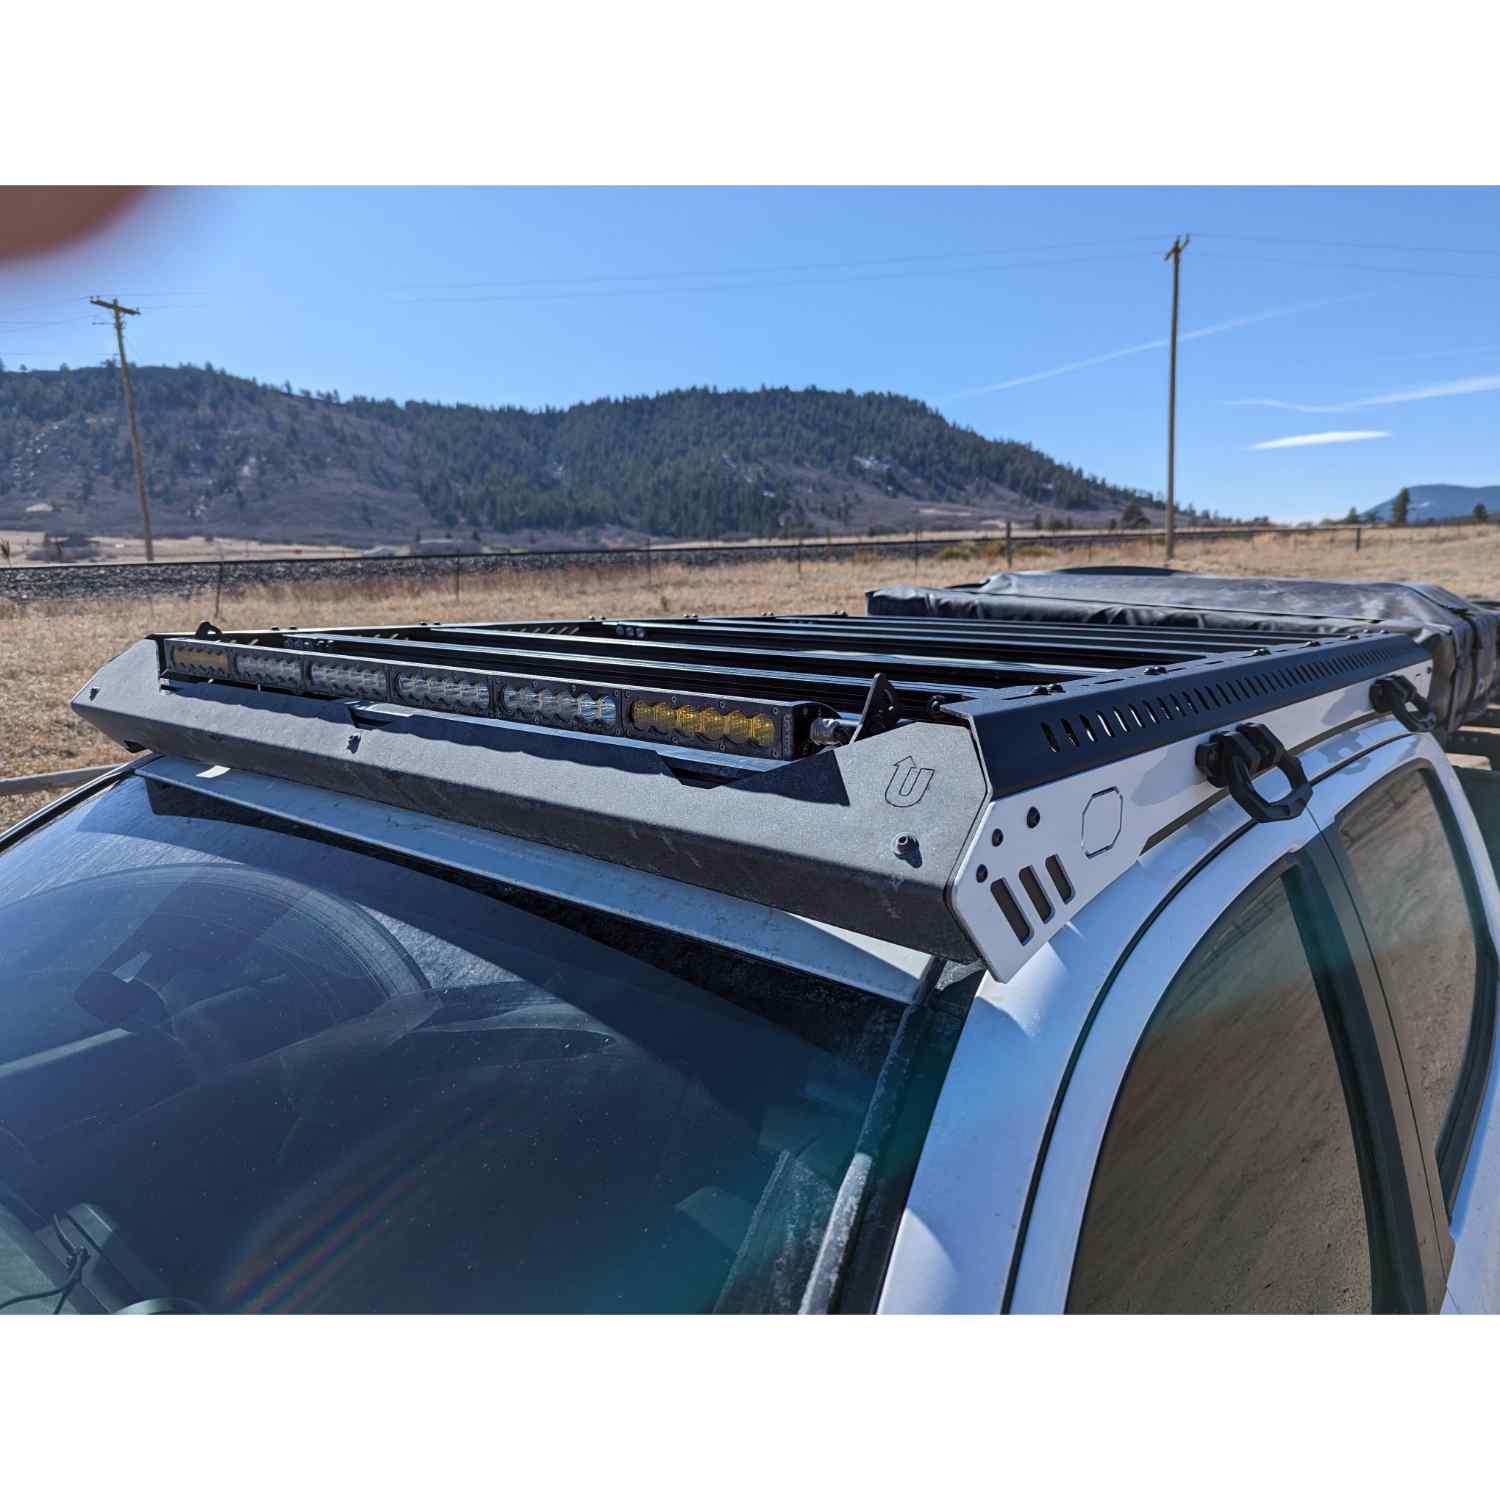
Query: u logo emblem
[[909, 783]]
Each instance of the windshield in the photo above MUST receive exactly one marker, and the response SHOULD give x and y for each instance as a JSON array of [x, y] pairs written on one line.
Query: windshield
[[247, 1068]]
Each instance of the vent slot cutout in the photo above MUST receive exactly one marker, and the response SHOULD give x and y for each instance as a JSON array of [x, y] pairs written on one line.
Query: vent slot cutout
[[1033, 888], [1012, 909]]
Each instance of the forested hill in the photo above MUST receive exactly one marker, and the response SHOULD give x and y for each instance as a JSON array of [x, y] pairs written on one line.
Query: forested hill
[[232, 457], [1441, 502]]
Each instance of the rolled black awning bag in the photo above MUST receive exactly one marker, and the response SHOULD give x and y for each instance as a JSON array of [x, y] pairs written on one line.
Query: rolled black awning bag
[[1460, 634]]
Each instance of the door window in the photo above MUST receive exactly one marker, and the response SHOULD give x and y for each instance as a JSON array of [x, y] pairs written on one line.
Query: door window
[[1419, 917], [1228, 1180]]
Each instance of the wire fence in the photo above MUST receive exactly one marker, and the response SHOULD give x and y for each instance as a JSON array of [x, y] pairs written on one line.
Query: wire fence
[[188, 579]]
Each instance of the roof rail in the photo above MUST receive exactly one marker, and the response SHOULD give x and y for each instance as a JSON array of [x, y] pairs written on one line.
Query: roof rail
[[838, 767]]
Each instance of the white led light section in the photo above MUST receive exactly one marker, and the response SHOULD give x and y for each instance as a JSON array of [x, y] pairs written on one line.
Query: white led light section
[[560, 704], [444, 690], [266, 670], [347, 679]]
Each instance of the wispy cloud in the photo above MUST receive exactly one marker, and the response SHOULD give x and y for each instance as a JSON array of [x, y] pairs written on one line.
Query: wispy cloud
[[1104, 359], [1317, 440], [1473, 386], [1447, 353]]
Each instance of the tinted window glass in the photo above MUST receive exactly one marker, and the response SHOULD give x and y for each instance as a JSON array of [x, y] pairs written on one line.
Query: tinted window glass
[[279, 1074], [1416, 914], [1227, 1180]]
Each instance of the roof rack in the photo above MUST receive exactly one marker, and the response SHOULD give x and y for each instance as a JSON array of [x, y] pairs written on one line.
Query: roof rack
[[845, 768]]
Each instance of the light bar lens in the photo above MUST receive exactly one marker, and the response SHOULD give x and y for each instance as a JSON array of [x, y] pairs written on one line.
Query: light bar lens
[[202, 661], [777, 731], [559, 704], [444, 690], [266, 670], [714, 724], [346, 680]]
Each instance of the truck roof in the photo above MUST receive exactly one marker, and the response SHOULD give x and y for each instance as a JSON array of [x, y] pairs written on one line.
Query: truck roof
[[855, 770]]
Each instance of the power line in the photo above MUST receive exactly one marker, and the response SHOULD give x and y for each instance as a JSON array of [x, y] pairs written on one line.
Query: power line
[[55, 302], [759, 286], [827, 265], [1266, 239], [71, 301], [120, 314], [1325, 265], [43, 323]]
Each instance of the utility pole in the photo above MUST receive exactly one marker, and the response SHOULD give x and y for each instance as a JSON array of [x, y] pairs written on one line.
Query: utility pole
[[1175, 256], [120, 313]]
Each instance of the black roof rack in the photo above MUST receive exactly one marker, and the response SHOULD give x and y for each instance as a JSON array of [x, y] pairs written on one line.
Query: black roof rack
[[782, 758], [1007, 679]]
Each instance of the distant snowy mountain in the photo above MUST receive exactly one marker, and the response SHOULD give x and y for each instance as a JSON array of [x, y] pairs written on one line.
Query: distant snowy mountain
[[1442, 502]]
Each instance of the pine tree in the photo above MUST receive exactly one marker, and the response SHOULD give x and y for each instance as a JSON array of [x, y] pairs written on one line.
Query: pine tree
[[1481, 513], [1401, 507]]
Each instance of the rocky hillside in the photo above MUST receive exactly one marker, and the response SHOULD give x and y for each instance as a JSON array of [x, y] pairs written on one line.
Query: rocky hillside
[[231, 457]]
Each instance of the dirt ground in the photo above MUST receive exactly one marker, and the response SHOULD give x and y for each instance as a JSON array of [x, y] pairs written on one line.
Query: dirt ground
[[48, 651]]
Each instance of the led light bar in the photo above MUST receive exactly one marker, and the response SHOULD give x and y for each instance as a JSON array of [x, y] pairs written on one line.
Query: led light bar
[[738, 726], [270, 669], [199, 660], [734, 726], [561, 705], [338, 678], [453, 692]]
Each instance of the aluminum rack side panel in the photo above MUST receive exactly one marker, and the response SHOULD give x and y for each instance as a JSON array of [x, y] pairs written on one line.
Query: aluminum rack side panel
[[865, 836]]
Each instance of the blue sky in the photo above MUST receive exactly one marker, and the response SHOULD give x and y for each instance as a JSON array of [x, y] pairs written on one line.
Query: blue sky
[[1312, 319]]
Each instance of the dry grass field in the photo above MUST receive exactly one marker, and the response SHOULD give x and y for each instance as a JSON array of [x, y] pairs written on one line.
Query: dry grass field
[[47, 651], [122, 549]]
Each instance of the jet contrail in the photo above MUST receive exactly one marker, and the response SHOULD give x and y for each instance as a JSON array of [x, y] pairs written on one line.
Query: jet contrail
[[1182, 338], [1473, 386]]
